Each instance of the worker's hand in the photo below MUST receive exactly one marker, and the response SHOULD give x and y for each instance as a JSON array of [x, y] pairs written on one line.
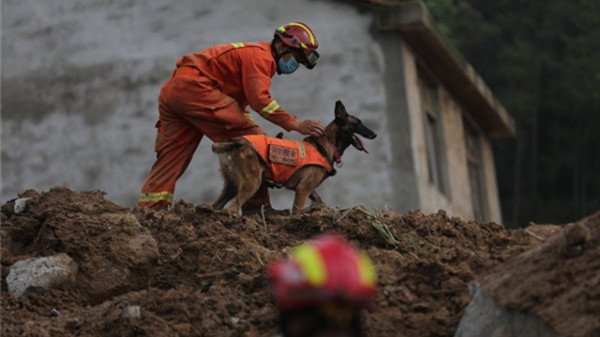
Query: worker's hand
[[311, 127]]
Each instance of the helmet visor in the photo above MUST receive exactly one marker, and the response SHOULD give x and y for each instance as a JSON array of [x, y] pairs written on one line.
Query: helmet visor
[[311, 57]]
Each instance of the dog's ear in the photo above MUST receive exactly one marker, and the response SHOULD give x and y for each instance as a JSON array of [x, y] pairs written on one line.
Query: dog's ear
[[341, 114]]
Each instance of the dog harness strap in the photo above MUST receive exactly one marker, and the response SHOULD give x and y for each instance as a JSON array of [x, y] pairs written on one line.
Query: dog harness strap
[[337, 157], [336, 153]]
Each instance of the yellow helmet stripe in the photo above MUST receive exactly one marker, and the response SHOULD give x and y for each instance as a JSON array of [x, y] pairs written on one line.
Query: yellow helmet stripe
[[270, 108], [310, 34], [312, 264], [366, 270], [158, 196]]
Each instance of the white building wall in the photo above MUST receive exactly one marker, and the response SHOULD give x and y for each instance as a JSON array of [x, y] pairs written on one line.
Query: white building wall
[[489, 171], [457, 201], [456, 156]]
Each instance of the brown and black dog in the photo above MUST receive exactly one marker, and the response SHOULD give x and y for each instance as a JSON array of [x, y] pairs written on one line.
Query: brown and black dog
[[244, 168]]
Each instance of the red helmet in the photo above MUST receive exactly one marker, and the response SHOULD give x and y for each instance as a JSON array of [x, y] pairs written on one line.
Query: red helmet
[[326, 270], [298, 35]]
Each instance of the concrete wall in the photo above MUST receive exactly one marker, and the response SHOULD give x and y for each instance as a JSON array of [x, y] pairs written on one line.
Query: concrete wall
[[493, 198], [457, 200], [399, 128], [430, 198]]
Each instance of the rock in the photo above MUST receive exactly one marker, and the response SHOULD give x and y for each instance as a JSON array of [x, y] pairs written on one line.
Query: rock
[[484, 317], [72, 323], [132, 311], [39, 274], [205, 286], [21, 205]]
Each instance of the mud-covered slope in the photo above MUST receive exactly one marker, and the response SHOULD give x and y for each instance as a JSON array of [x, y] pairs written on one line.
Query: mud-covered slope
[[558, 281], [197, 272]]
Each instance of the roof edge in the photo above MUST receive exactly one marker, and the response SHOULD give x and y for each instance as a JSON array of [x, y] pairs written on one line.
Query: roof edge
[[414, 21]]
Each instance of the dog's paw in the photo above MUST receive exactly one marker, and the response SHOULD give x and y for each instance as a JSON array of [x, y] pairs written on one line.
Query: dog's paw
[[232, 213], [207, 207]]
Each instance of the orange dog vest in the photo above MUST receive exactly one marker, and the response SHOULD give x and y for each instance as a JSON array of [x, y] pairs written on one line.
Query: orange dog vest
[[285, 157]]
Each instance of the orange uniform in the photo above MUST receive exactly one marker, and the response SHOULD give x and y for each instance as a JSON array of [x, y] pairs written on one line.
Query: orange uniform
[[285, 157], [208, 94]]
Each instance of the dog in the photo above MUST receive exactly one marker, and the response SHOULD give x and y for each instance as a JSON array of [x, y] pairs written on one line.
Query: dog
[[247, 161]]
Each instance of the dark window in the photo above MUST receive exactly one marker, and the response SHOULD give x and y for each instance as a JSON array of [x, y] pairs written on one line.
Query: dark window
[[436, 163], [475, 166]]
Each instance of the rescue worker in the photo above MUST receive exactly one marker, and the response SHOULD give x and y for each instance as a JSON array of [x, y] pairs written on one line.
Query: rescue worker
[[208, 95], [322, 288]]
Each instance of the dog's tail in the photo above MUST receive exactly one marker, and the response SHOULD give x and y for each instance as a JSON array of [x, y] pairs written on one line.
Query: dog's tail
[[225, 147]]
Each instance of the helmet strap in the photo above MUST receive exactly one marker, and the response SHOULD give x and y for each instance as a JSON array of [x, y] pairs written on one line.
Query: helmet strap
[[277, 54]]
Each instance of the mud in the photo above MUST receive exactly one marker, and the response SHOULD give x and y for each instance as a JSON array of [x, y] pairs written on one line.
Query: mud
[[197, 272], [558, 281]]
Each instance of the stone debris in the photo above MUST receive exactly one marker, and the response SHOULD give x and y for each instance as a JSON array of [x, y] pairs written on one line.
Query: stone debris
[[21, 205], [36, 275], [484, 317], [132, 311]]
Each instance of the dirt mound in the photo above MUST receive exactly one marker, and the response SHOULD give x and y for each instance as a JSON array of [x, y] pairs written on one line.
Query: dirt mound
[[196, 272], [559, 280]]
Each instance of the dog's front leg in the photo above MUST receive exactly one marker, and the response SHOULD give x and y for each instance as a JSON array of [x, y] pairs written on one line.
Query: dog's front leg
[[300, 199], [315, 197], [305, 182]]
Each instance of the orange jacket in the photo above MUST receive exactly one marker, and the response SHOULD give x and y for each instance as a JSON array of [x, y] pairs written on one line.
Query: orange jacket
[[285, 157], [242, 71]]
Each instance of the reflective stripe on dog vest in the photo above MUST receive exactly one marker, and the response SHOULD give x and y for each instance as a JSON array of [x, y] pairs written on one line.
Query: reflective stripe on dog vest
[[284, 157]]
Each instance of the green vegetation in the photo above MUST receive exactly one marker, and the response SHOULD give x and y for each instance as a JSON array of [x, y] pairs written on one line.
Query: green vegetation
[[541, 59]]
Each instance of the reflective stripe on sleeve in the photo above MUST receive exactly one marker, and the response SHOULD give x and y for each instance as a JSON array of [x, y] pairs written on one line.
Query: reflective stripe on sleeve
[[158, 196], [249, 116], [270, 108], [237, 44]]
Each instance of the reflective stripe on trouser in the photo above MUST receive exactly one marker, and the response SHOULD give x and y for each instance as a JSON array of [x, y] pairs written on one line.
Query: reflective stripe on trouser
[[171, 161], [154, 197]]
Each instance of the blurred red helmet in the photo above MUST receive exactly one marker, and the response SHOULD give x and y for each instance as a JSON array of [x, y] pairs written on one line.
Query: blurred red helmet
[[298, 35], [326, 270]]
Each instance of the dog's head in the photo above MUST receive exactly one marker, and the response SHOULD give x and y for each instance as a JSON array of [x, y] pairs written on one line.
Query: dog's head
[[348, 127]]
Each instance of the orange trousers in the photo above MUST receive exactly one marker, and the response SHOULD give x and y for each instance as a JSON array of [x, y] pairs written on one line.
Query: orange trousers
[[190, 107]]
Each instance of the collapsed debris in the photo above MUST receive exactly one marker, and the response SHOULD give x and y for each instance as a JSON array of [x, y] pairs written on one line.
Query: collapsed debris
[[194, 271]]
